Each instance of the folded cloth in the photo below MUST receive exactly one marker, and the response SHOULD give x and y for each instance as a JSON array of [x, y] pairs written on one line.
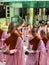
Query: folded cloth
[[31, 51], [13, 51], [2, 51]]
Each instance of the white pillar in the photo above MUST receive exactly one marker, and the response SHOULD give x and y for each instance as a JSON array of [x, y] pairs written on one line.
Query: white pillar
[[40, 10], [43, 13], [31, 15], [16, 12]]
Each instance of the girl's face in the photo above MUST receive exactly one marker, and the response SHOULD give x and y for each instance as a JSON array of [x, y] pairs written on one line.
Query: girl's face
[[43, 35]]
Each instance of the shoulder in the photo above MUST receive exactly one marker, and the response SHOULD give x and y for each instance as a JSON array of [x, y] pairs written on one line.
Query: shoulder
[[41, 42], [38, 38], [19, 41], [19, 38], [48, 42], [30, 37]]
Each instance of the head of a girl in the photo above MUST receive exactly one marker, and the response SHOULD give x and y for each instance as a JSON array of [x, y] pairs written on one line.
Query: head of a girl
[[12, 28], [34, 31], [43, 34]]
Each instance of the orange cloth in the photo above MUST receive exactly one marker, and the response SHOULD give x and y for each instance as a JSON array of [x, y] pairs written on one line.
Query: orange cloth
[[11, 41], [1, 31], [35, 42]]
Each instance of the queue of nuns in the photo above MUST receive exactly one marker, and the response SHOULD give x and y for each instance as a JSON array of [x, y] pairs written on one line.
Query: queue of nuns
[[12, 44]]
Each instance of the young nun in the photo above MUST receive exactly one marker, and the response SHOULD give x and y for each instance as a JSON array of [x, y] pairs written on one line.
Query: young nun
[[3, 35], [43, 55], [36, 45], [15, 53], [47, 49], [44, 37]]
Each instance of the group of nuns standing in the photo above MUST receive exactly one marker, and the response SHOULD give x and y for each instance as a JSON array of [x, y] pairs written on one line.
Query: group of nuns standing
[[12, 44]]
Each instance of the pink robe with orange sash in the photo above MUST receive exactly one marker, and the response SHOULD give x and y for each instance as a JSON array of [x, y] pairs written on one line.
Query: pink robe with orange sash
[[17, 57], [45, 41], [35, 59]]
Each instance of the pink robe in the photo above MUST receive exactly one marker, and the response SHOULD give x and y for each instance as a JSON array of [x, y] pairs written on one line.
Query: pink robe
[[3, 56], [43, 54], [34, 59], [18, 57], [47, 50], [38, 33], [24, 33]]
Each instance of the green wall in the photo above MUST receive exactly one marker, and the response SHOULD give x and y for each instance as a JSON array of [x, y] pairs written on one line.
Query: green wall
[[14, 7], [36, 4], [14, 10]]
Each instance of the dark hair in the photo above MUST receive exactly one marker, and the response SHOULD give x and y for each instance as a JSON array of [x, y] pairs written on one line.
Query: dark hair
[[11, 27], [42, 32], [48, 35], [33, 30]]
